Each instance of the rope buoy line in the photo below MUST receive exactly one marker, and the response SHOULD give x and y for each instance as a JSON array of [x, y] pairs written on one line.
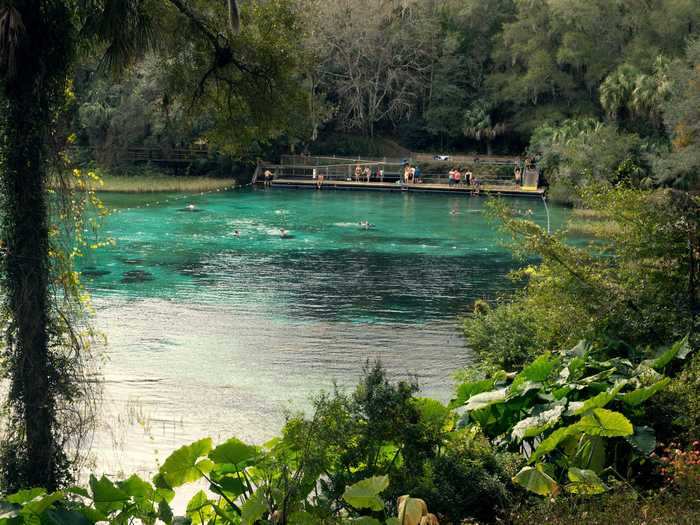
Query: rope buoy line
[[178, 198]]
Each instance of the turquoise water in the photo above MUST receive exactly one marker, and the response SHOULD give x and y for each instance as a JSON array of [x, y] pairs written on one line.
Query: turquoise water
[[216, 333]]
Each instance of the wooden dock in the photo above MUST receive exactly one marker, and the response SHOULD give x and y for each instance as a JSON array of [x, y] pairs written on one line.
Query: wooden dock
[[339, 173], [510, 191]]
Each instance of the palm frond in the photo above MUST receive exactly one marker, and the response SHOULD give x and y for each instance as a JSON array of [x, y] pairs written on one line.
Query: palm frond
[[125, 27]]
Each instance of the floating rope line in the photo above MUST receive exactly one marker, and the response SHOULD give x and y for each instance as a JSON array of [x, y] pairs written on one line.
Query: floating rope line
[[177, 198]]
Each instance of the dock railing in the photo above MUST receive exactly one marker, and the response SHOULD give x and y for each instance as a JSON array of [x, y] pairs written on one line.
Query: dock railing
[[392, 173]]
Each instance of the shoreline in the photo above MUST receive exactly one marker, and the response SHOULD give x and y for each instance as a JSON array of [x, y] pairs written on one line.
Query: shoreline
[[160, 184]]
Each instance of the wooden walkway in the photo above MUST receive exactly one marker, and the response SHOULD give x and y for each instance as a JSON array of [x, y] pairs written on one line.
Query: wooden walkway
[[511, 191]]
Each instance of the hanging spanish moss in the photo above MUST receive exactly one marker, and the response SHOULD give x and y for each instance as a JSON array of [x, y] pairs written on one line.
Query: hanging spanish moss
[[41, 359]]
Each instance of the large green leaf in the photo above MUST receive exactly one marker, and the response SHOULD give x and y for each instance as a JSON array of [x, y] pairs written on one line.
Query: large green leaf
[[536, 480], [253, 508], [643, 439], [535, 425], [38, 505], [365, 494], [552, 441], [136, 487], [486, 399], [600, 400], [467, 390], [182, 465], [26, 495], [234, 452], [231, 485], [537, 371], [199, 508], [639, 396], [584, 482], [603, 422], [432, 413], [678, 349], [106, 495]]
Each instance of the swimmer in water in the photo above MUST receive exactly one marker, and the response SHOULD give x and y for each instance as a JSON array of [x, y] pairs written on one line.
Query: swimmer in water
[[283, 233], [190, 206], [237, 233], [366, 225]]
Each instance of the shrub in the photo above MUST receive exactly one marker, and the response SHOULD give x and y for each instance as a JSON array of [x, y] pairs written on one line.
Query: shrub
[[574, 416], [622, 505]]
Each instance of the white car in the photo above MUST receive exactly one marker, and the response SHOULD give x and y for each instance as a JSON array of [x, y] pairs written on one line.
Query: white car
[[441, 157]]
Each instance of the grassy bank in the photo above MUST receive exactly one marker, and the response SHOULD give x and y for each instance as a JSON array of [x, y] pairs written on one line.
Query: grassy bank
[[161, 183], [591, 223]]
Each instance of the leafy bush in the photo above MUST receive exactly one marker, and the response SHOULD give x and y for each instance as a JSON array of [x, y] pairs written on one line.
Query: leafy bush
[[622, 505], [239, 493], [468, 479], [502, 336], [574, 416], [382, 429], [676, 411], [627, 289]]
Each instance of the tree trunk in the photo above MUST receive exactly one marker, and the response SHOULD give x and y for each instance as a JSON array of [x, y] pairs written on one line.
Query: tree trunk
[[31, 457]]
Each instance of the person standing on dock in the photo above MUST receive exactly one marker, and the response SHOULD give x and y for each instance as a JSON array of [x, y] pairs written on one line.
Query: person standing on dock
[[469, 177], [458, 177], [379, 175], [358, 172], [368, 173], [268, 178], [451, 177]]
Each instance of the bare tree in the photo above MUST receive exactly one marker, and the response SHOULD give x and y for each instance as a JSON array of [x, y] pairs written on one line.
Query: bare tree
[[373, 59]]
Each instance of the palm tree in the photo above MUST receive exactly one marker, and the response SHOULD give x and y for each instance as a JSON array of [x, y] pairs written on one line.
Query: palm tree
[[478, 125], [38, 40], [651, 91], [616, 90]]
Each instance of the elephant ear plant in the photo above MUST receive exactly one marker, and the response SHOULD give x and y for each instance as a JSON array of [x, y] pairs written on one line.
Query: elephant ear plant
[[239, 484], [577, 416]]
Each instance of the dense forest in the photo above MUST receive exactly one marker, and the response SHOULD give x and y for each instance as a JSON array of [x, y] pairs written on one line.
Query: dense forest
[[433, 76], [583, 405]]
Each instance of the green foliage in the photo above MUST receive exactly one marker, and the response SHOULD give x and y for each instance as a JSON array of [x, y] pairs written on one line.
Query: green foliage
[[580, 153], [262, 498], [626, 290], [621, 505], [679, 168], [365, 493], [383, 430], [571, 414]]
